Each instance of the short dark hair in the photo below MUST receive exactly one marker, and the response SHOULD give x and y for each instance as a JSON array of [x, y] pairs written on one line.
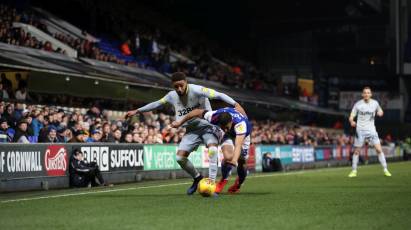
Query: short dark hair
[[224, 119], [178, 76], [77, 151], [366, 87]]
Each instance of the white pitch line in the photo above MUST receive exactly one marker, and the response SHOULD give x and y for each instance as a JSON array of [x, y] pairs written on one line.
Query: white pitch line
[[148, 187], [92, 192]]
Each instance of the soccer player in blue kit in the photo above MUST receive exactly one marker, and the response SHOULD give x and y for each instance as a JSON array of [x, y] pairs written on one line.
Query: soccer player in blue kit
[[235, 143], [185, 98]]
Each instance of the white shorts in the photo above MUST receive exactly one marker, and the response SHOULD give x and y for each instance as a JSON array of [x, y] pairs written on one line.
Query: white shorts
[[244, 149], [207, 135], [362, 135]]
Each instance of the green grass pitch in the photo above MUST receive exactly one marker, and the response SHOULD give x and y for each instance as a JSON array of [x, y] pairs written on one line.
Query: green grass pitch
[[312, 199]]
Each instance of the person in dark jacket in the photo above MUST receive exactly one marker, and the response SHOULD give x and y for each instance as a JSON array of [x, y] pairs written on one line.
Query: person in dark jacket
[[6, 133], [83, 174], [21, 135], [52, 135]]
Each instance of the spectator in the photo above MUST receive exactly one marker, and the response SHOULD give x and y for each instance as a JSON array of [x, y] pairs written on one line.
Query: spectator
[[84, 174], [21, 93], [48, 47], [6, 84], [6, 133], [128, 138], [80, 136], [267, 162], [3, 93], [10, 115], [137, 138], [65, 135], [95, 136], [21, 135], [52, 135], [117, 135], [125, 48], [107, 135]]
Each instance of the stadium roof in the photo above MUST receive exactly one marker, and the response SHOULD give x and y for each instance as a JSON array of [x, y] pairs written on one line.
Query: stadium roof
[[42, 61]]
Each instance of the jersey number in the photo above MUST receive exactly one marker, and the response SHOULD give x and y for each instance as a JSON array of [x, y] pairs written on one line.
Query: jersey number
[[185, 111]]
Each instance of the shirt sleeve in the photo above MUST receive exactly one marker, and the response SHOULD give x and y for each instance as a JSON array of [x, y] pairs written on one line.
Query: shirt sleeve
[[206, 104], [208, 115], [156, 104], [240, 128], [354, 110], [212, 94]]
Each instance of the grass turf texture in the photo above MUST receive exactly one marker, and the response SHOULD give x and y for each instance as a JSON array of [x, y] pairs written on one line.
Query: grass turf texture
[[317, 199]]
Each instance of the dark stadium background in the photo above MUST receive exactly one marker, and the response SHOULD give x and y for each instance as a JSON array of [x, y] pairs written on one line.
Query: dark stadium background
[[71, 69]]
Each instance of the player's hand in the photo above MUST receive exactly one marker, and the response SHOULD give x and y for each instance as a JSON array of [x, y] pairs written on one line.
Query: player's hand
[[353, 124], [175, 124], [380, 113], [131, 113]]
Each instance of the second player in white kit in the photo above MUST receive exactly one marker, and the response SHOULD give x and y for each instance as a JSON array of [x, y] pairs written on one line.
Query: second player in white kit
[[365, 110]]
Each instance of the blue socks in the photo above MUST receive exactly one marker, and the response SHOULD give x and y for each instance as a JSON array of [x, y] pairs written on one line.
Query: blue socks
[[226, 169], [242, 173]]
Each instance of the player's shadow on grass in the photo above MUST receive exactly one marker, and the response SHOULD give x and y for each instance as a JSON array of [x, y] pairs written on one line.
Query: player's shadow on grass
[[175, 195]]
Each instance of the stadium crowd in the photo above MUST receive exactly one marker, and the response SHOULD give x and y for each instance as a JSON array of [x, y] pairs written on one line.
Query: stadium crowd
[[19, 37], [145, 46], [270, 132], [31, 124]]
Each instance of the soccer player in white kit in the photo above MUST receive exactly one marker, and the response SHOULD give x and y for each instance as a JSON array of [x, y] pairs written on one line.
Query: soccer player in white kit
[[185, 98], [365, 111]]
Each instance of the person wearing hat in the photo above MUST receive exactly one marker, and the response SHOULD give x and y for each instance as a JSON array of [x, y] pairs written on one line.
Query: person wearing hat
[[83, 174], [6, 133], [65, 135], [95, 136], [21, 135], [52, 135]]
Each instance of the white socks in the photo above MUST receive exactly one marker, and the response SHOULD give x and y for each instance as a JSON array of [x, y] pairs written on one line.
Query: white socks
[[213, 160], [355, 158], [381, 158]]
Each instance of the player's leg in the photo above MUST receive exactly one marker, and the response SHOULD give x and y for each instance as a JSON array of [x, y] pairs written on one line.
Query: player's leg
[[189, 142], [241, 167], [227, 147], [242, 174], [381, 157], [242, 162], [358, 143], [211, 141]]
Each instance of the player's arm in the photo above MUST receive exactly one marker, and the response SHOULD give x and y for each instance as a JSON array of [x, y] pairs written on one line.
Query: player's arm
[[353, 114], [380, 112], [212, 94], [149, 107], [193, 114], [238, 144], [240, 130]]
